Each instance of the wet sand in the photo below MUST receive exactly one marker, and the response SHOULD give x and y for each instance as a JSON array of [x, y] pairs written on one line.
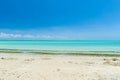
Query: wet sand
[[58, 67]]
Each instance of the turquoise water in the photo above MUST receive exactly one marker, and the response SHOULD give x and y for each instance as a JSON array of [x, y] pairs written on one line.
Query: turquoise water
[[75, 45]]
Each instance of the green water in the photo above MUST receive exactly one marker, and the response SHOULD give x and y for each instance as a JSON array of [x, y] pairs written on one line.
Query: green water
[[69, 45]]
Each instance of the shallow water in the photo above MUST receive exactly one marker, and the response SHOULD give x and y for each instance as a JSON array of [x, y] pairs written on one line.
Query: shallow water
[[69, 45]]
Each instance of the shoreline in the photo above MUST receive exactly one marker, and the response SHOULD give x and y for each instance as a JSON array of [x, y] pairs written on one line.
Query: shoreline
[[61, 52]]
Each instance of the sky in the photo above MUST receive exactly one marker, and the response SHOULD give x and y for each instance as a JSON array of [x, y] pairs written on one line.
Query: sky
[[60, 19]]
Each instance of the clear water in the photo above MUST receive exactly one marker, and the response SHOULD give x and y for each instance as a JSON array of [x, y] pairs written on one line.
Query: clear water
[[75, 45]]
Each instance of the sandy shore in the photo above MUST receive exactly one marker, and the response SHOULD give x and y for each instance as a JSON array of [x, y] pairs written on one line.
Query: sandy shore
[[58, 67]]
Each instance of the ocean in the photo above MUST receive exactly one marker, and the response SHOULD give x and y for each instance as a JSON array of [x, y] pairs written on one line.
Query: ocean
[[68, 45]]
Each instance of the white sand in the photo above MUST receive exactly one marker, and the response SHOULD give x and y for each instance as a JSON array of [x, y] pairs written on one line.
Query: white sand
[[58, 67]]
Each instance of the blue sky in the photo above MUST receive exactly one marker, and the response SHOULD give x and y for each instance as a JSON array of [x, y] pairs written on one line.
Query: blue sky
[[60, 19]]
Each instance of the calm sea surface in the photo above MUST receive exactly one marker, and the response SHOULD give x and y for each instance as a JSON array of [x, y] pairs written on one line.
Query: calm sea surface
[[78, 45]]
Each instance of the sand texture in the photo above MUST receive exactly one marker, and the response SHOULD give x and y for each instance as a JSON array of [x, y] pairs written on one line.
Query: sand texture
[[58, 67]]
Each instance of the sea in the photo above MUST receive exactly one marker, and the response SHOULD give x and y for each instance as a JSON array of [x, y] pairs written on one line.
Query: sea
[[62, 45]]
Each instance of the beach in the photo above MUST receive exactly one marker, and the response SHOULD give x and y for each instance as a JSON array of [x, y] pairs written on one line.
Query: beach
[[59, 60], [58, 67], [59, 39]]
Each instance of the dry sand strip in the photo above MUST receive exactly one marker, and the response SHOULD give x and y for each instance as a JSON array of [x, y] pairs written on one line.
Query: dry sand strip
[[58, 67]]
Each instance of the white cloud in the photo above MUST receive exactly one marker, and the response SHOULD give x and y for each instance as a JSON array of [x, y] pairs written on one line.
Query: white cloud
[[9, 35], [4, 35]]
